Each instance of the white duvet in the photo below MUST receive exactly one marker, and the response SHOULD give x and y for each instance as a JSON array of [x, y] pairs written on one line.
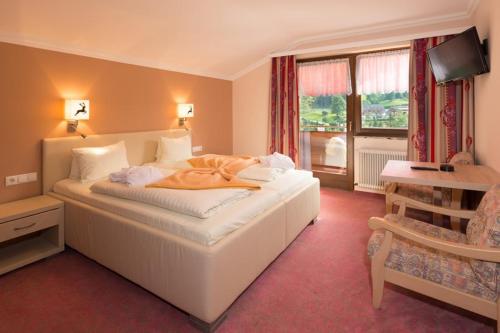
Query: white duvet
[[199, 203]]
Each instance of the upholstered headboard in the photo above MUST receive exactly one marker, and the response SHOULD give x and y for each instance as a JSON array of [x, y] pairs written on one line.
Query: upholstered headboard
[[141, 148]]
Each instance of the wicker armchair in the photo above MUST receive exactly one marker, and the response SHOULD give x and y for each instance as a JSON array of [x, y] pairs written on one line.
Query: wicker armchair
[[461, 269]]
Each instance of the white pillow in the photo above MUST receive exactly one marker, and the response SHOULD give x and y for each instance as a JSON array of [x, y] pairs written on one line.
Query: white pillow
[[174, 149], [92, 163], [75, 166], [75, 169]]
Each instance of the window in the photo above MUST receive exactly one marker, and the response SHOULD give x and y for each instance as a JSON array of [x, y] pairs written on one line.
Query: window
[[323, 113], [382, 83], [324, 87], [323, 90], [347, 95], [389, 111]]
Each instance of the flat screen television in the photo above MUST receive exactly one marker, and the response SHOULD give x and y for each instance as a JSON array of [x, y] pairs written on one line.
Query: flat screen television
[[460, 57]]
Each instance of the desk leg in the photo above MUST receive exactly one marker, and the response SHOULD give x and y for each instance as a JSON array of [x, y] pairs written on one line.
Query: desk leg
[[456, 203], [437, 198]]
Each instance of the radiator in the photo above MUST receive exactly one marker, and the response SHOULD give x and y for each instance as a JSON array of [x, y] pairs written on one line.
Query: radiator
[[371, 162]]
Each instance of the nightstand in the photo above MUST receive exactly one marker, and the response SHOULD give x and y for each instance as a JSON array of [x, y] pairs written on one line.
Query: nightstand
[[30, 230]]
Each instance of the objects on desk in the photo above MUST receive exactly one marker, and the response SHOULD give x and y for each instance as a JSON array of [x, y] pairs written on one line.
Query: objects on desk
[[416, 167], [443, 167], [447, 167]]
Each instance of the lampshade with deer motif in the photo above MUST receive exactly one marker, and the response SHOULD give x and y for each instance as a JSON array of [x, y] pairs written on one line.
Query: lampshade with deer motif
[[77, 109], [185, 110]]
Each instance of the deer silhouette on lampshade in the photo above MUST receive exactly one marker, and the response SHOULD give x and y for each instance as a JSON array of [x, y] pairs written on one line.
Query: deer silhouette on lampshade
[[184, 111], [75, 110], [83, 110]]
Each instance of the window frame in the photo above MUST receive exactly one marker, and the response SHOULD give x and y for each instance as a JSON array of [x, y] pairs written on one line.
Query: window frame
[[357, 129], [379, 132], [337, 180], [383, 132], [350, 103]]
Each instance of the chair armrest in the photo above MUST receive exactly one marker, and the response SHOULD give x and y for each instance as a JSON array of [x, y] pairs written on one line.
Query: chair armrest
[[464, 250], [461, 213]]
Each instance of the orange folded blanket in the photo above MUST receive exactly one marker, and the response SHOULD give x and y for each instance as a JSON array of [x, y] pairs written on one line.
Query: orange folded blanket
[[209, 172]]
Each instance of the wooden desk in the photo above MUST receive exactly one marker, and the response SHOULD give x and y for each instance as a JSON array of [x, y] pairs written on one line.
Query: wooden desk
[[465, 177]]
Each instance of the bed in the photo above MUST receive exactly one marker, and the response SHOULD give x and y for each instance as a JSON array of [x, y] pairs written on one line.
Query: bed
[[200, 268]]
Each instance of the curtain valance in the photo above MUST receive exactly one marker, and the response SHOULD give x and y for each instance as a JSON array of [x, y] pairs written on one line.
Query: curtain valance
[[383, 72], [322, 78]]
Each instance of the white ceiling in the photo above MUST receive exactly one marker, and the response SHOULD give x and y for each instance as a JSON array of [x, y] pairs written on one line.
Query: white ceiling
[[217, 38]]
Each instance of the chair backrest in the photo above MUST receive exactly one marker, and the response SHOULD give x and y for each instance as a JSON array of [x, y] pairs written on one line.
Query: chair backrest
[[483, 230], [484, 227], [463, 157]]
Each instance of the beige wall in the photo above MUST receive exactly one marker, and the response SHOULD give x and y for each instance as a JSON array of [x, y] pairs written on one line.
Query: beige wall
[[123, 98], [487, 87], [250, 105]]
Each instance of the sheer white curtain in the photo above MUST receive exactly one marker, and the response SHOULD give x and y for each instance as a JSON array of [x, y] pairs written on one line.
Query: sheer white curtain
[[383, 72]]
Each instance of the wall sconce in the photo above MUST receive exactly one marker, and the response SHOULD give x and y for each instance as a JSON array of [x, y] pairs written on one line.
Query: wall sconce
[[75, 110], [184, 111]]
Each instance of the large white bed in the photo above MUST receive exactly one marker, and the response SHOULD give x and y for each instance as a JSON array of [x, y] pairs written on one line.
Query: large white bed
[[198, 265]]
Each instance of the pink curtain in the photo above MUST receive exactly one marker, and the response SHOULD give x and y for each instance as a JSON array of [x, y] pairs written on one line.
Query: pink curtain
[[382, 72], [441, 117], [322, 78], [284, 113]]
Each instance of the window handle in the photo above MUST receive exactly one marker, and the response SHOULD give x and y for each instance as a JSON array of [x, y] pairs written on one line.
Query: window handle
[[350, 126]]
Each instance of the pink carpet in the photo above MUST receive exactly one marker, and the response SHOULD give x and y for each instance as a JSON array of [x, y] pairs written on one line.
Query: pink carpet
[[319, 284]]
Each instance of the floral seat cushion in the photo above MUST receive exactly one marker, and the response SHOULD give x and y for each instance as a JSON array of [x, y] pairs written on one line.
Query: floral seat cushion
[[424, 193], [416, 192], [423, 262], [483, 230]]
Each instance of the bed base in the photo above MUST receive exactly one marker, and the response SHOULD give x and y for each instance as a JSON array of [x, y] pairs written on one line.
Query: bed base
[[212, 327], [205, 327], [202, 280]]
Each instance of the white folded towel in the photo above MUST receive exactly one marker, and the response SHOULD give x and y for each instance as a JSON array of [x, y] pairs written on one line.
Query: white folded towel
[[138, 175], [277, 160], [258, 172]]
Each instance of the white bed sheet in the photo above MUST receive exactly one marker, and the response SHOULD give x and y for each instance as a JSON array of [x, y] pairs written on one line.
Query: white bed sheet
[[203, 231]]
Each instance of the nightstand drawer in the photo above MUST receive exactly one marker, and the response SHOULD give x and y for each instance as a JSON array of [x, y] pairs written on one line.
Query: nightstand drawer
[[29, 224]]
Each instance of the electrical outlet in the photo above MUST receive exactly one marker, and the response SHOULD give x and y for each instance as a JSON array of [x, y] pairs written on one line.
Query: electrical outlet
[[22, 178], [32, 177], [10, 180], [197, 149]]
